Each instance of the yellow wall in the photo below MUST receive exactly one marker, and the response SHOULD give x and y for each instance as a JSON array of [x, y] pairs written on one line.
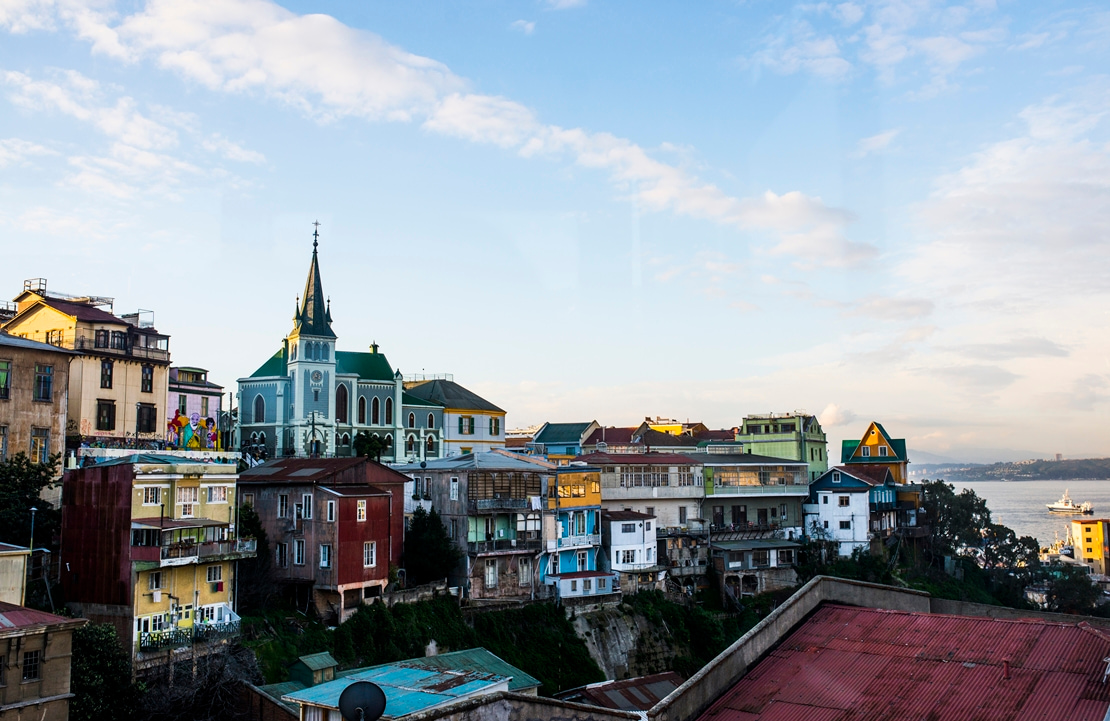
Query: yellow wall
[[675, 429], [217, 511], [188, 584], [1089, 541], [873, 440], [589, 480]]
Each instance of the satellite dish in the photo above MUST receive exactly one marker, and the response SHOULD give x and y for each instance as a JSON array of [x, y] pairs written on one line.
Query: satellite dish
[[423, 464], [362, 701]]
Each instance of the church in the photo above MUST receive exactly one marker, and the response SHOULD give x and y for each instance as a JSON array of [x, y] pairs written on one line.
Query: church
[[310, 398]]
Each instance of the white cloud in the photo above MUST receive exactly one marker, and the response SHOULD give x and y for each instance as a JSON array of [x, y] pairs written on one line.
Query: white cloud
[[834, 416], [887, 308], [14, 151], [564, 4], [230, 150], [523, 26], [875, 143], [803, 50], [1029, 347]]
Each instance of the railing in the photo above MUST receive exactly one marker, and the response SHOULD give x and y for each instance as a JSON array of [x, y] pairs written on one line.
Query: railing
[[591, 539], [172, 638], [84, 342], [213, 548], [504, 544], [204, 632], [494, 504], [786, 489]]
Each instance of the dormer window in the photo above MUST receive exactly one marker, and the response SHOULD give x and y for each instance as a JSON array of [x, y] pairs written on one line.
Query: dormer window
[[835, 477], [882, 450], [865, 452]]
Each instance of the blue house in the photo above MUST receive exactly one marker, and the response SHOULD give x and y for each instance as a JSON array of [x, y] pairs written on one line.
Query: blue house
[[572, 530]]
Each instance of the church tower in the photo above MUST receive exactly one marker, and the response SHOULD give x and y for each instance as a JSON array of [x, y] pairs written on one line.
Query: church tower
[[310, 348]]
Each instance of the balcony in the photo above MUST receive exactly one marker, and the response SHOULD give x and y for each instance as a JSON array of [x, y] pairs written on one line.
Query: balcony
[[184, 553], [504, 545], [589, 539], [88, 343], [497, 504], [171, 638], [790, 489], [205, 632]]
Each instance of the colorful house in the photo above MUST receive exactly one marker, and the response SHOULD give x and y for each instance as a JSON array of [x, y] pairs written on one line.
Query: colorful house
[[149, 545], [471, 424], [194, 406], [878, 448], [560, 443], [572, 532], [794, 436], [861, 505], [630, 548]]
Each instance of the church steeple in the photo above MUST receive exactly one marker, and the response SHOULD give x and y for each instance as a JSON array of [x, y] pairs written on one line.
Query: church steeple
[[313, 316]]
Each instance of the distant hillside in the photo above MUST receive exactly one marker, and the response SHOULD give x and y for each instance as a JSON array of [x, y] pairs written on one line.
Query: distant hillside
[[1080, 469]]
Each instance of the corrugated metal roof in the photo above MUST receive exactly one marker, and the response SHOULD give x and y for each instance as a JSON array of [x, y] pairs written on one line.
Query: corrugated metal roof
[[14, 616], [632, 694], [479, 659], [318, 661], [859, 663]]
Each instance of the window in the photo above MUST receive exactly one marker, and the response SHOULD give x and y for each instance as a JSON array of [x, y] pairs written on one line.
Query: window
[[466, 425], [325, 555], [5, 380], [306, 505], [836, 477], [647, 526], [582, 560], [105, 415], [152, 496], [374, 411], [298, 552], [283, 506], [524, 572], [845, 525], [316, 395], [412, 420], [389, 411], [40, 445], [341, 404], [215, 574], [865, 451], [204, 407], [32, 665], [362, 410], [217, 494], [628, 556], [843, 501], [761, 558], [182, 405], [573, 585], [491, 573], [369, 554], [825, 499], [410, 444], [682, 515], [282, 555], [360, 513], [154, 580], [44, 382], [100, 339], [147, 419], [119, 340], [454, 489], [587, 584], [331, 511], [782, 511], [495, 426], [882, 450], [187, 498], [786, 556], [105, 374], [628, 528], [430, 444], [259, 410], [431, 420], [601, 584], [248, 499], [3, 443]]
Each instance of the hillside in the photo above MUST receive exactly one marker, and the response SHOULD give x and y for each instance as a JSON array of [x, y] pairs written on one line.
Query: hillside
[[1078, 469]]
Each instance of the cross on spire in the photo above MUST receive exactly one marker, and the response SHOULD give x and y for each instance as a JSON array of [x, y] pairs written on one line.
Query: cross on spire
[[315, 235]]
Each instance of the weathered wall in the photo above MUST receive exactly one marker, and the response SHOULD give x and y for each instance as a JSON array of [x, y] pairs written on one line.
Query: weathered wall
[[624, 644]]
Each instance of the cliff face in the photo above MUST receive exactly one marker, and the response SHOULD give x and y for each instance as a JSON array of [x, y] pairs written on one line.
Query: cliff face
[[626, 644]]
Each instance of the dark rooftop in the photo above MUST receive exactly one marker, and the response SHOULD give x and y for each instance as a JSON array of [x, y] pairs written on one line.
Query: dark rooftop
[[631, 694], [316, 470], [450, 394]]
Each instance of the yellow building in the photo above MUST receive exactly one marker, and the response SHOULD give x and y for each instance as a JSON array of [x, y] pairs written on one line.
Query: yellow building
[[1089, 539], [119, 378], [878, 448], [171, 572]]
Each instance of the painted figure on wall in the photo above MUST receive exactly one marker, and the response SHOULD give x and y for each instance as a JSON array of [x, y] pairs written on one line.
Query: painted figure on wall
[[192, 433]]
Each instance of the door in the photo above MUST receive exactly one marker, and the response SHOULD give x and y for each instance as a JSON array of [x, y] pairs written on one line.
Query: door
[[489, 528], [491, 574], [740, 515], [718, 515], [582, 561], [762, 516]]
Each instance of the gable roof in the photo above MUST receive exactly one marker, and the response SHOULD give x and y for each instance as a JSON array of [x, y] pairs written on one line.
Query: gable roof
[[365, 365], [898, 445], [305, 471], [450, 394], [12, 341], [317, 661], [658, 438], [611, 434], [485, 460], [866, 475], [562, 432], [274, 366], [80, 311]]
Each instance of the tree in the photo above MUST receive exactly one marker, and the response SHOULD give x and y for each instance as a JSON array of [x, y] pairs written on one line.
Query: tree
[[256, 575], [1071, 591], [369, 446], [100, 676], [430, 554], [958, 519], [21, 483]]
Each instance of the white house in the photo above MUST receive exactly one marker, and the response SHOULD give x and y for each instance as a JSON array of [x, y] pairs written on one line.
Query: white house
[[629, 547], [842, 501]]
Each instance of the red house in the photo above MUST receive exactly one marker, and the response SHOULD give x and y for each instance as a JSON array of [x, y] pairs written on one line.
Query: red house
[[334, 525]]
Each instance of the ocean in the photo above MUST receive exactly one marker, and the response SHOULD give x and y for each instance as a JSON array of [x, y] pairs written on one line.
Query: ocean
[[1021, 504]]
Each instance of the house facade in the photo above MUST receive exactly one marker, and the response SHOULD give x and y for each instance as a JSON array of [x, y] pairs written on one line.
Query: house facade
[[572, 534], [747, 567], [34, 377], [149, 545], [630, 547], [560, 443], [665, 486], [118, 376], [471, 424], [876, 447], [194, 406], [746, 491], [35, 649], [793, 436], [334, 526]]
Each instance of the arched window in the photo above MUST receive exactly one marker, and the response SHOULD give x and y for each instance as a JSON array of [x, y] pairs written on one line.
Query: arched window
[[431, 420], [324, 351], [389, 411], [261, 439], [254, 438], [362, 410], [410, 446], [259, 409], [345, 440], [375, 412], [412, 420], [430, 444], [309, 349], [293, 352], [341, 404], [388, 440]]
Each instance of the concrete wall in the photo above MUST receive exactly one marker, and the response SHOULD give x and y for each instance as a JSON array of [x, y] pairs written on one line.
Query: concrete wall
[[506, 706]]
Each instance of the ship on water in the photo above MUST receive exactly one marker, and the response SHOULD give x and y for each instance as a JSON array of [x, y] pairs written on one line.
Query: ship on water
[[1066, 505]]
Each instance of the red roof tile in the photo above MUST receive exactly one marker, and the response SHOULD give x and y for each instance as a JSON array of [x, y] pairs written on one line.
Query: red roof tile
[[860, 663], [13, 616]]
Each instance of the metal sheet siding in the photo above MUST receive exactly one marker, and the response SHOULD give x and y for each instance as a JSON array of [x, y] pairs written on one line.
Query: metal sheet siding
[[353, 534], [96, 535]]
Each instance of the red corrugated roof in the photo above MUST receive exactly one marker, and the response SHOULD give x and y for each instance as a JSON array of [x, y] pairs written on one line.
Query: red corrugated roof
[[13, 616], [860, 663]]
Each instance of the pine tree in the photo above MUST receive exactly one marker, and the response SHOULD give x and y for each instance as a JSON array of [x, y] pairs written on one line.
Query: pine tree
[[430, 554]]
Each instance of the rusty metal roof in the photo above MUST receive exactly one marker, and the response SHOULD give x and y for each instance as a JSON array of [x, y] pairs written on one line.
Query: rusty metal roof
[[861, 663], [632, 694]]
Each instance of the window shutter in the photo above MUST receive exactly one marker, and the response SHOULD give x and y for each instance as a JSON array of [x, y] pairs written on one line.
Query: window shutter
[[461, 425]]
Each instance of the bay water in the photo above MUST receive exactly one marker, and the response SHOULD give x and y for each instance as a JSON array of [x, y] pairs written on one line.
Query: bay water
[[1021, 504]]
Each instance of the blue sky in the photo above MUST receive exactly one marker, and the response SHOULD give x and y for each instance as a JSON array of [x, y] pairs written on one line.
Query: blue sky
[[892, 210]]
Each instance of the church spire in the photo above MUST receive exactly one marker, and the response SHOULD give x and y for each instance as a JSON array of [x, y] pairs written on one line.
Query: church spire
[[313, 317]]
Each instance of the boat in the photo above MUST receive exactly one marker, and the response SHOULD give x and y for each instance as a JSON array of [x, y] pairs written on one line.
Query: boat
[[1066, 505]]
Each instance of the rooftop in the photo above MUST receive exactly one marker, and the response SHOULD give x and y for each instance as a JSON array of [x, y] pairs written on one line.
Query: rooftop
[[450, 394], [20, 617], [740, 459], [561, 432], [315, 470], [8, 340], [636, 459], [485, 460], [753, 544], [850, 662], [631, 694], [626, 516]]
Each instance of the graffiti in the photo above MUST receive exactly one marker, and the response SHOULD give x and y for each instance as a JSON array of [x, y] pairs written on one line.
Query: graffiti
[[192, 432]]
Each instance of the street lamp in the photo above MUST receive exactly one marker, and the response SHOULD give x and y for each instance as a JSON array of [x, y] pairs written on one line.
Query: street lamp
[[33, 510]]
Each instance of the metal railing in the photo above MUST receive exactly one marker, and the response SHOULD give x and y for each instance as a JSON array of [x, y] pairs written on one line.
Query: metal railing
[[170, 638], [590, 539], [203, 632], [494, 504], [785, 489], [186, 549], [504, 544]]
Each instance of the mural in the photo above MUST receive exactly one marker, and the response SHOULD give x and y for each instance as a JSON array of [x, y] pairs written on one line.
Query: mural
[[192, 433]]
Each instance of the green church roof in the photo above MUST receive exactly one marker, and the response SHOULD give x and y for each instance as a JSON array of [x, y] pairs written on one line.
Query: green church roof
[[367, 366], [275, 366]]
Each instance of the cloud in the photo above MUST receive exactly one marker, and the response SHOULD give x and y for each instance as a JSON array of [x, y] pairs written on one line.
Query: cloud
[[230, 150], [1017, 348], [802, 49], [875, 143], [887, 308], [834, 416], [523, 26], [564, 4], [976, 379], [14, 151]]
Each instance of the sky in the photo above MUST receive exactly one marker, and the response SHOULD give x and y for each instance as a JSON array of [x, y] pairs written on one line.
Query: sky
[[894, 210]]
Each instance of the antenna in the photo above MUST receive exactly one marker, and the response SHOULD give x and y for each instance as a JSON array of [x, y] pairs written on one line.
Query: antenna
[[362, 701]]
